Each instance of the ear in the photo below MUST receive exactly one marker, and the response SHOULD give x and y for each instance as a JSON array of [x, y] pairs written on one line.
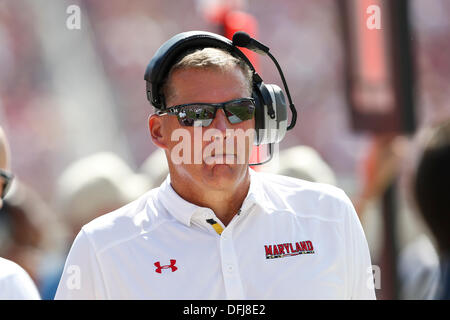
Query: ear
[[155, 124]]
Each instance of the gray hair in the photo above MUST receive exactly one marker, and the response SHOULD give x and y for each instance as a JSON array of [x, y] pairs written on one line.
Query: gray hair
[[208, 58]]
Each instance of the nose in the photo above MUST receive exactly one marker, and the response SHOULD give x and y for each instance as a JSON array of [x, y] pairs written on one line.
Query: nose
[[222, 125], [221, 122]]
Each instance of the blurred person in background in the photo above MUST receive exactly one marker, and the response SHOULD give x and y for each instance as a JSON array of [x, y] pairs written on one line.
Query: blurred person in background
[[432, 194], [95, 185], [31, 230], [418, 258], [88, 188], [390, 160], [155, 167], [302, 162], [15, 283]]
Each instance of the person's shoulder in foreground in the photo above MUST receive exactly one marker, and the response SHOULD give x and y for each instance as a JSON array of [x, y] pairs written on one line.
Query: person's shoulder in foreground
[[15, 283], [116, 255]]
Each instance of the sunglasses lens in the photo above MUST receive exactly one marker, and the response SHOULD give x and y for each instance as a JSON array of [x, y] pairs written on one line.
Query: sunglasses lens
[[196, 115], [238, 111], [202, 115]]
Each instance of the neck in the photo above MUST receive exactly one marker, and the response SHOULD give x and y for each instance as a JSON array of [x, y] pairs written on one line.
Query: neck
[[225, 202]]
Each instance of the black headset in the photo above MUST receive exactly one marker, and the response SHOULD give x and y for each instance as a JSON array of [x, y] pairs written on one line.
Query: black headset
[[271, 110]]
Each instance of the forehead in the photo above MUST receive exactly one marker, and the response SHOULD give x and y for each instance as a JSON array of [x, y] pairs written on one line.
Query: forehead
[[207, 85]]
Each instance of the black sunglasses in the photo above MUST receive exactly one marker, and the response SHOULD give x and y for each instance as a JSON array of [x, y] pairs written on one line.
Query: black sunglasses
[[203, 114], [6, 181]]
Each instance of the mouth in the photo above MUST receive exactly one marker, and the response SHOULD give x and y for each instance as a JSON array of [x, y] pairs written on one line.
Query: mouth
[[220, 159]]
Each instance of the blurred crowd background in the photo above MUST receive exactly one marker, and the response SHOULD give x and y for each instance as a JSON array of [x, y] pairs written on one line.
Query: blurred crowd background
[[73, 106]]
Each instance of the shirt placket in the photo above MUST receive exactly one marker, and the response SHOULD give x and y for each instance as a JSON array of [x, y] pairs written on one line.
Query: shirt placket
[[230, 271], [229, 262]]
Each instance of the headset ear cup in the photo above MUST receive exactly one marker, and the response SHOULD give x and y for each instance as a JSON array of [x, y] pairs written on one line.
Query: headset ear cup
[[264, 103], [270, 129], [259, 115], [280, 107]]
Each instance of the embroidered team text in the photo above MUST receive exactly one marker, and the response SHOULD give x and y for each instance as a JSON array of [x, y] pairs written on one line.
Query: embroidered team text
[[288, 249]]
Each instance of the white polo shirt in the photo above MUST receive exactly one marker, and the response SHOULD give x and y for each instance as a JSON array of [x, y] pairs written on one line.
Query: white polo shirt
[[292, 239]]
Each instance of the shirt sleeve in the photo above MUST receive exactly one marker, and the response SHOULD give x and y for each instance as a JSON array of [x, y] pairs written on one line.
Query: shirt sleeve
[[18, 285], [361, 284], [82, 277]]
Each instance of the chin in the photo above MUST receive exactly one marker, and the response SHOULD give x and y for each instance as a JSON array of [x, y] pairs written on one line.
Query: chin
[[220, 176]]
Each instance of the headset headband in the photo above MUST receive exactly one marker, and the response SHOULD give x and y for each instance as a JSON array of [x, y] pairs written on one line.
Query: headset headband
[[172, 49]]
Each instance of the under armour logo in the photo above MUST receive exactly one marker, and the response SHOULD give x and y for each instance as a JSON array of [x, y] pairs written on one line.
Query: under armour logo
[[171, 266]]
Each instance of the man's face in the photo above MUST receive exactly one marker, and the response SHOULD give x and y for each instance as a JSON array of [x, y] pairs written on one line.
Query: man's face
[[217, 156]]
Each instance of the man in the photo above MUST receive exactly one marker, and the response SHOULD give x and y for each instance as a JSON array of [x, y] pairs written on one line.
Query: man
[[432, 196], [15, 283], [215, 229]]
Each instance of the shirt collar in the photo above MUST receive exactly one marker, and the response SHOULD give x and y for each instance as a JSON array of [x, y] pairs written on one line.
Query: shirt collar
[[183, 210]]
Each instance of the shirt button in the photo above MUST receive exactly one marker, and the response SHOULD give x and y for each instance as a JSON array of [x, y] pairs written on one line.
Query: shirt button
[[224, 237], [230, 268]]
